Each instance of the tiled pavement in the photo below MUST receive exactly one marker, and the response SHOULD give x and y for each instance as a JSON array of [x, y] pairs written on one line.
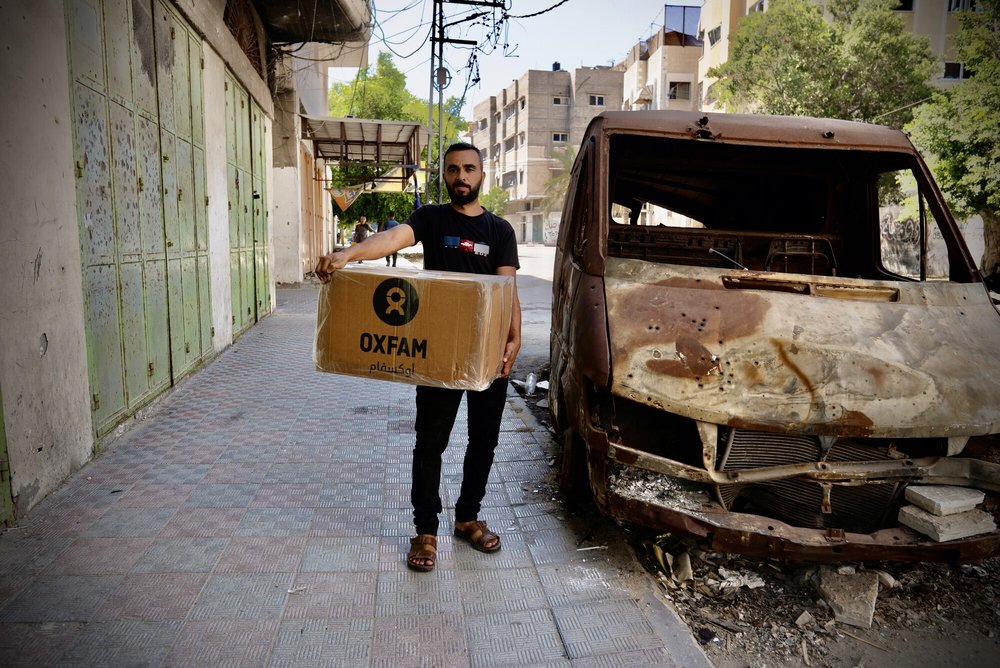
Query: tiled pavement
[[259, 516]]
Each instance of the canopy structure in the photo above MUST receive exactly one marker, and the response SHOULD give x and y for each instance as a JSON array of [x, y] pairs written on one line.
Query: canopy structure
[[391, 147]]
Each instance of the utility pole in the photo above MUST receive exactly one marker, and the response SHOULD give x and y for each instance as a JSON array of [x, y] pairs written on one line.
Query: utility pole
[[441, 77]]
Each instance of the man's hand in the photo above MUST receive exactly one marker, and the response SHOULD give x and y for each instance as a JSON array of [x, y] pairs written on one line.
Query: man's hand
[[509, 355], [328, 264]]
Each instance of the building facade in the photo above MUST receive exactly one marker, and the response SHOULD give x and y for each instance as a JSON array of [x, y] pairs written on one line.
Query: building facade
[[937, 20], [522, 129], [137, 210]]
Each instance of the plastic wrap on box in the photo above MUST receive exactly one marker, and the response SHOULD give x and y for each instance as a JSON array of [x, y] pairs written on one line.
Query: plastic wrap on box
[[437, 328]]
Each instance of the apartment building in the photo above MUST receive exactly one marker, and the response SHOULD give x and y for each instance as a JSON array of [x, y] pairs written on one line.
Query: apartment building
[[519, 128], [935, 19], [662, 72]]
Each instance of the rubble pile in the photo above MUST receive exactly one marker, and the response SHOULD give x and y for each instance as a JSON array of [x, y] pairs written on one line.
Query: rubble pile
[[802, 614]]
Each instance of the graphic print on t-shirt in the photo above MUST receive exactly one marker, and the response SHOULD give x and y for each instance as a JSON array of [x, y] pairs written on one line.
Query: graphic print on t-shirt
[[467, 245]]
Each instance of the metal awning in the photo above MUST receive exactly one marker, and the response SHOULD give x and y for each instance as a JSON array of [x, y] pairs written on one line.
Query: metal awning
[[392, 147], [331, 21]]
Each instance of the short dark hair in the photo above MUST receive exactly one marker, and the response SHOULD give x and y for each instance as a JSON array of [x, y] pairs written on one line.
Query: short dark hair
[[464, 146], [392, 214]]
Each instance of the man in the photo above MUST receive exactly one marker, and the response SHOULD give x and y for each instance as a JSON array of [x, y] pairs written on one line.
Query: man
[[388, 225], [461, 236]]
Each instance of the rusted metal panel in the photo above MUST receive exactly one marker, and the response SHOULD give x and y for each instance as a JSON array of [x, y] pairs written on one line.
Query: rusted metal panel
[[118, 44], [105, 346], [175, 313], [137, 370], [143, 60], [923, 365], [125, 184], [163, 39], [87, 42], [168, 174], [200, 201], [181, 78], [185, 196], [93, 165], [192, 324], [150, 195], [196, 65], [205, 305], [157, 323]]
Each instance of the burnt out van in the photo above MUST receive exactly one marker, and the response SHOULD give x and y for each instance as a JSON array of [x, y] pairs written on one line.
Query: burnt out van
[[764, 331]]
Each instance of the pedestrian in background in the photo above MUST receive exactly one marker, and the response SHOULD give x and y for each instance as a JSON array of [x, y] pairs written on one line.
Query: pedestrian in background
[[388, 225], [461, 236]]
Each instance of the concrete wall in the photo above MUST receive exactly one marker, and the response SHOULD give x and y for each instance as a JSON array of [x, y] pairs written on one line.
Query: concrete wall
[[43, 358]]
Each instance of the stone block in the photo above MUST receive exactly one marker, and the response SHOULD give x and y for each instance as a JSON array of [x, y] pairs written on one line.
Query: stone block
[[949, 527], [944, 499], [851, 597]]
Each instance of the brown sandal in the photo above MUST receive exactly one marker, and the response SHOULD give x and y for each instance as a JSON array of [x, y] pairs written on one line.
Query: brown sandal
[[423, 549], [477, 534]]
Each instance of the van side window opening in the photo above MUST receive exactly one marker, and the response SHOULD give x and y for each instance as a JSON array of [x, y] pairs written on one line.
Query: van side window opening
[[911, 243]]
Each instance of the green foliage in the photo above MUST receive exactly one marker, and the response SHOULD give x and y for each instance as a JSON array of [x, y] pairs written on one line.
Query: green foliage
[[862, 66], [556, 187], [960, 126], [382, 95], [494, 201]]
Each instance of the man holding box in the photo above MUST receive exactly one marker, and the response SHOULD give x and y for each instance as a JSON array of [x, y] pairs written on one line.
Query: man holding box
[[461, 236]]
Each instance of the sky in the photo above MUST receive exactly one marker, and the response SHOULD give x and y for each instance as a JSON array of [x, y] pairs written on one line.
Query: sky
[[576, 33]]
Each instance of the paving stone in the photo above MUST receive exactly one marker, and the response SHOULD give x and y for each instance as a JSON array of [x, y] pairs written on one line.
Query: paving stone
[[153, 597], [125, 643], [608, 627], [516, 638], [340, 642], [420, 640], [243, 643], [851, 597], [60, 598], [243, 596], [944, 499], [181, 555], [332, 596], [32, 645], [949, 527]]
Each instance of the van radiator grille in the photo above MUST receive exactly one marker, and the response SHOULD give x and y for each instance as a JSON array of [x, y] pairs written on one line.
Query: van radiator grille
[[862, 509]]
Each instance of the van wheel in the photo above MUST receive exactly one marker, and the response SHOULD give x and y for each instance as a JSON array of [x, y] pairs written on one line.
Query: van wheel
[[574, 478]]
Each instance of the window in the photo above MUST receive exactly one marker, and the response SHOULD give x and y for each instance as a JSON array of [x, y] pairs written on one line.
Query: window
[[679, 90], [520, 176], [521, 139], [508, 111], [509, 144], [911, 243], [509, 180], [714, 35], [597, 100], [522, 102], [956, 71], [560, 137], [560, 100], [905, 6], [482, 124]]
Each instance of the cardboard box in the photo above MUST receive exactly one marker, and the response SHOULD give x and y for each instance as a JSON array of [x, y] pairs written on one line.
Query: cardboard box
[[438, 328]]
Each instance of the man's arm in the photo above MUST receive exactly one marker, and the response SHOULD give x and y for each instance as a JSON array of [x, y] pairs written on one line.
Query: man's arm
[[373, 248], [514, 336]]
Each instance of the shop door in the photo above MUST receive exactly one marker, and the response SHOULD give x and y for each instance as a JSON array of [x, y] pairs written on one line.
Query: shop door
[[245, 134], [136, 96]]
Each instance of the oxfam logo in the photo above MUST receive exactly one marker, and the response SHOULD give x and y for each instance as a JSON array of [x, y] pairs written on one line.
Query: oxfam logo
[[395, 302]]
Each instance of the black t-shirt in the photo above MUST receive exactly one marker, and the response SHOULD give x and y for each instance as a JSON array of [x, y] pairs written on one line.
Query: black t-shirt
[[456, 242]]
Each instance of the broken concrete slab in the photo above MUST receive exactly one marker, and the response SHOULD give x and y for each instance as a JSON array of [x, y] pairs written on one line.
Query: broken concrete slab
[[944, 499], [850, 597], [949, 527]]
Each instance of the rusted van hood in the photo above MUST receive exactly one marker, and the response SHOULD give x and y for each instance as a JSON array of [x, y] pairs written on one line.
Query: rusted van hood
[[806, 354]]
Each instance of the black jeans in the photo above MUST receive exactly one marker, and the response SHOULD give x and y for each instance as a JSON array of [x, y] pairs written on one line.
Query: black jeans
[[436, 411]]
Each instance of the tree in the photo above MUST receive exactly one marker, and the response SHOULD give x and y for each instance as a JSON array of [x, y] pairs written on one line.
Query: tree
[[556, 187], [960, 127], [862, 65], [495, 200], [382, 95]]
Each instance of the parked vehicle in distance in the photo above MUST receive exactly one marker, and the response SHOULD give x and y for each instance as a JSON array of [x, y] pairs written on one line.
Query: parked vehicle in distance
[[764, 330]]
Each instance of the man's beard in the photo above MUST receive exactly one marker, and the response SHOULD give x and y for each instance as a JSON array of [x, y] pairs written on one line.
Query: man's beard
[[462, 200]]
